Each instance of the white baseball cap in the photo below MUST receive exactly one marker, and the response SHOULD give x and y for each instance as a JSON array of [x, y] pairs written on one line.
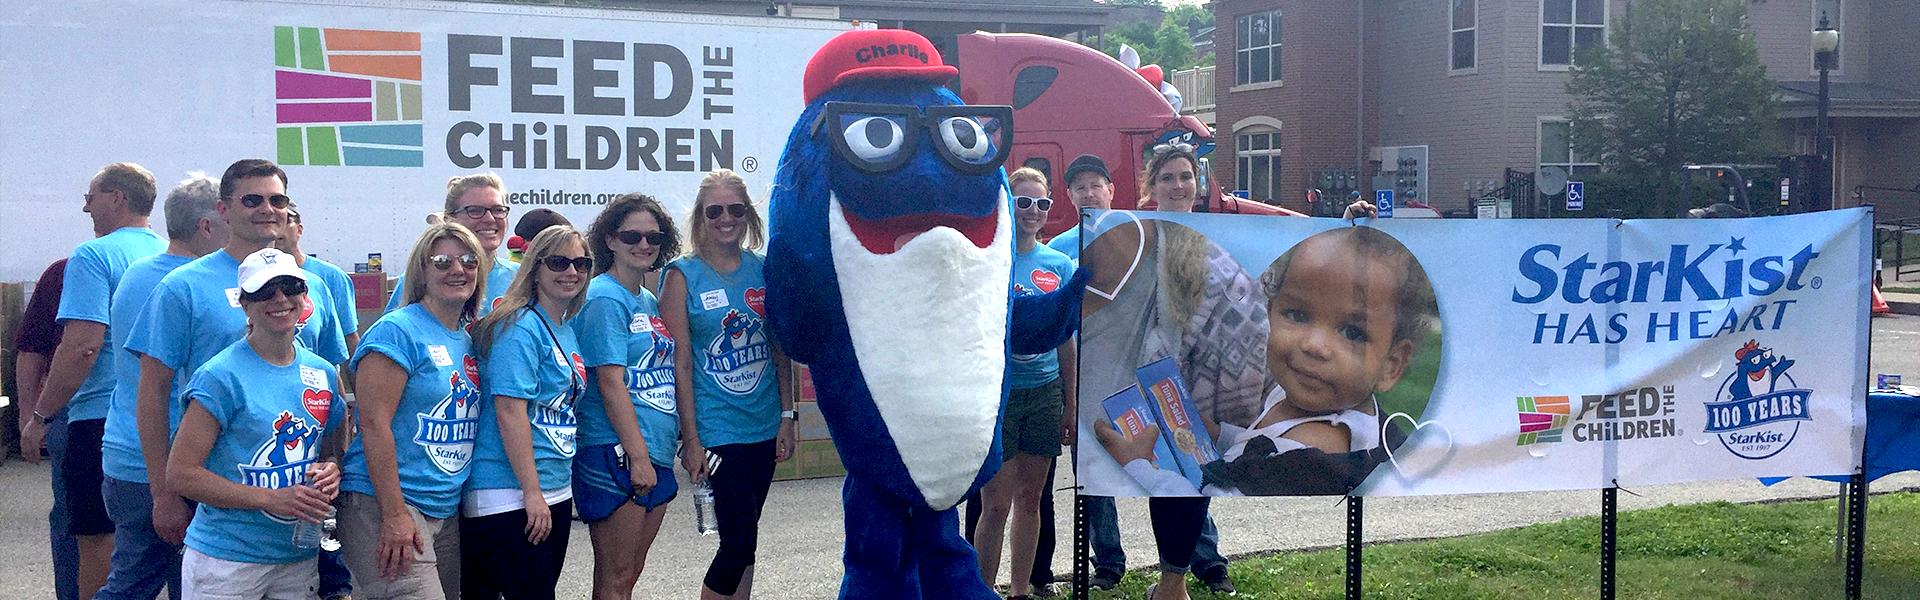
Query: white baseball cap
[[263, 266]]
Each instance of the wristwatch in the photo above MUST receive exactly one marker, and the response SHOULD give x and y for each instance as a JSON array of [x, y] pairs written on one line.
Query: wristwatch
[[790, 415]]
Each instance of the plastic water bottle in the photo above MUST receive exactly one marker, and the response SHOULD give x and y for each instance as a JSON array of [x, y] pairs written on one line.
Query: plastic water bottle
[[703, 515], [311, 535]]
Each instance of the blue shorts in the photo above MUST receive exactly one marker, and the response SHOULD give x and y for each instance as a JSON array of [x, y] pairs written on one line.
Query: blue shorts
[[601, 484]]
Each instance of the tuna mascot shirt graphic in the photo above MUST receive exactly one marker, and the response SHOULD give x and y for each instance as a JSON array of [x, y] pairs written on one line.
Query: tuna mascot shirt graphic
[[447, 432], [737, 359], [293, 444], [650, 379], [554, 417], [1758, 409], [888, 265]]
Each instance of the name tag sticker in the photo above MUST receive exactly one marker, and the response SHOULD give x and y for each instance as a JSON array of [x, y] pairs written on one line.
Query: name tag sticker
[[709, 300], [233, 297], [638, 324], [314, 378], [439, 355]]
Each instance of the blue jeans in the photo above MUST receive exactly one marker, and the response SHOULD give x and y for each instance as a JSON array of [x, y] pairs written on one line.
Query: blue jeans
[[142, 562], [66, 549], [1104, 520]]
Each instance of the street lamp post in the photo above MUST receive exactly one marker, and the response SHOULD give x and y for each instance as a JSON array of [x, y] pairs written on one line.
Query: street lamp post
[[1825, 41]]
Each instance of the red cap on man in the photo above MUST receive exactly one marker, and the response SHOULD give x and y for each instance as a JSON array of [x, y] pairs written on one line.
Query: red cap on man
[[874, 54]]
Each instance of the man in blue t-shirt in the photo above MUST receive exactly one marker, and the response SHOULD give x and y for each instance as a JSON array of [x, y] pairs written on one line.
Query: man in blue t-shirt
[[194, 314], [142, 562], [339, 286], [80, 377], [1091, 188]]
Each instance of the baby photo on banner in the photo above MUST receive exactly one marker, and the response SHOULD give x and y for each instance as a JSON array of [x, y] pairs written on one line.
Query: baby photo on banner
[[1229, 355]]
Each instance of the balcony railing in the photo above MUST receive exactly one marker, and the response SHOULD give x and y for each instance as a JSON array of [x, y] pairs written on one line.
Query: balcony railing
[[1196, 86]]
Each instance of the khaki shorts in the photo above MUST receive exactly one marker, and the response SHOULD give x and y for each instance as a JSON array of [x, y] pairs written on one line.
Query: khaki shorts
[[1032, 422], [204, 577], [436, 572]]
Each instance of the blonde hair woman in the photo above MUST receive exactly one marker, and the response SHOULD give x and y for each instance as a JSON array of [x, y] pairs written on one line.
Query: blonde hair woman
[[519, 497], [729, 376], [419, 404]]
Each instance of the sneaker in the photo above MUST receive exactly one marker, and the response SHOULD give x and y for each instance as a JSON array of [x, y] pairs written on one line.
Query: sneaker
[[1218, 582], [1044, 590], [1104, 579]]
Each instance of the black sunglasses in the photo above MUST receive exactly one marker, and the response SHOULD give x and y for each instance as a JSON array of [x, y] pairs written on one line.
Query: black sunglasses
[[653, 238], [286, 285], [254, 200], [877, 138], [739, 211], [442, 262], [559, 264], [1022, 202], [475, 212]]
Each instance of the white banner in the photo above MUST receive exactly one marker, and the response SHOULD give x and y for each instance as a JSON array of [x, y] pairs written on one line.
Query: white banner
[[1470, 356], [371, 105]]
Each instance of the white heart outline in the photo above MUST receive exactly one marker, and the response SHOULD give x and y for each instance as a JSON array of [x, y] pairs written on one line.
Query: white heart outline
[[1138, 254], [1417, 427]]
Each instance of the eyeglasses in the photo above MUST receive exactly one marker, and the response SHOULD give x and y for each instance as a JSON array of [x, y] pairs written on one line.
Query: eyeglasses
[[738, 210], [653, 238], [1024, 202], [559, 264], [254, 200], [880, 137], [442, 262], [1167, 148], [89, 195], [475, 212], [288, 286]]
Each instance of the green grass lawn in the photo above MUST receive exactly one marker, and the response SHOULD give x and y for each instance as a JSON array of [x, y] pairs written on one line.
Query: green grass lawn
[[1717, 550]]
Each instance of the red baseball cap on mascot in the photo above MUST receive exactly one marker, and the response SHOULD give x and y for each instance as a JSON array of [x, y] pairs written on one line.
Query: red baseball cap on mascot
[[874, 54]]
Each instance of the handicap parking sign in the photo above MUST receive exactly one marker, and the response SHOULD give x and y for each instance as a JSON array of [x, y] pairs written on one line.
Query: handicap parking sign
[[1576, 195], [1384, 200]]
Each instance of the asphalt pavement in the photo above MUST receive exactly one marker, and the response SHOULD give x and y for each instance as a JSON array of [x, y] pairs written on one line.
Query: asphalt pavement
[[800, 536]]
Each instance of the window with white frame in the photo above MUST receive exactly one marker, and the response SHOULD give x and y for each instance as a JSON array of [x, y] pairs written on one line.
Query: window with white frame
[[1256, 44], [1569, 26], [1557, 150], [1461, 42], [1832, 11], [1257, 169]]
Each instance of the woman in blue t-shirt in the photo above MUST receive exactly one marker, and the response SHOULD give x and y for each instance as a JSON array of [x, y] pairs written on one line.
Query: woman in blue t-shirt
[[256, 447], [418, 411], [629, 426], [730, 377], [519, 494], [1038, 417]]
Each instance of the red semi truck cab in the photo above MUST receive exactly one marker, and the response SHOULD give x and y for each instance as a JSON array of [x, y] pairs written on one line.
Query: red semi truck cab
[[1068, 100]]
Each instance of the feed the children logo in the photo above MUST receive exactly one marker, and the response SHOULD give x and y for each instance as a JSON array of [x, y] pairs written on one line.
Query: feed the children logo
[[1758, 408], [447, 431], [1640, 413], [282, 460], [737, 358]]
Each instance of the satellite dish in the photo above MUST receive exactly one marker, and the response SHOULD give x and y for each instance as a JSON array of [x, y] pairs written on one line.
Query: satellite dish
[[1551, 180]]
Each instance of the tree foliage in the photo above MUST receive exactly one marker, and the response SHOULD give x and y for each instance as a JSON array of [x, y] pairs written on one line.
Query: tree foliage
[[1679, 82], [1168, 43]]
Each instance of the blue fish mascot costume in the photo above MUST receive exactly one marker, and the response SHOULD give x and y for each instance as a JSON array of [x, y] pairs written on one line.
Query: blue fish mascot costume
[[887, 274]]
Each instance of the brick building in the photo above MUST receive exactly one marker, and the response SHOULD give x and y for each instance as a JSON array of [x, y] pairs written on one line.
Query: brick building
[[1441, 97]]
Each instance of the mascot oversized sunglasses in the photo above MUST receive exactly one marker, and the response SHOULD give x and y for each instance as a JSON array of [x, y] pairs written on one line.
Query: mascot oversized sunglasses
[[880, 137]]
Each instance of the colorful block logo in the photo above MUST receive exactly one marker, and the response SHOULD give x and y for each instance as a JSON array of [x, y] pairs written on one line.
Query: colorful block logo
[[1542, 419], [347, 97]]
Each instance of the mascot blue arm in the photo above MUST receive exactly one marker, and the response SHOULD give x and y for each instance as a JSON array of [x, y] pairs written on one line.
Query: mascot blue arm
[[887, 273]]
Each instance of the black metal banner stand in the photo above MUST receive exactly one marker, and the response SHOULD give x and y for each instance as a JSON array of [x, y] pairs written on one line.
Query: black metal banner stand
[[1609, 536], [1354, 539], [1856, 533]]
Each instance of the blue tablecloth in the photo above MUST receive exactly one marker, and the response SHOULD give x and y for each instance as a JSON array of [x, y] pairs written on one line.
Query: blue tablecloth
[[1893, 435]]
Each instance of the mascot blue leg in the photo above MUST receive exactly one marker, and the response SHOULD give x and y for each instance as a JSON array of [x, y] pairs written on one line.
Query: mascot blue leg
[[899, 551]]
